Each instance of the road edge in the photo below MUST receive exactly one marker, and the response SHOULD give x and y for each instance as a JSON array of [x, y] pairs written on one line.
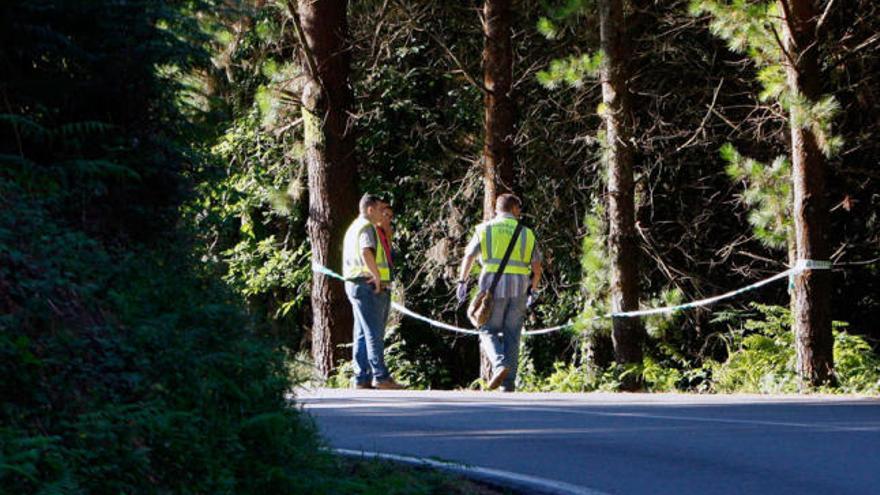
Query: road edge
[[516, 481]]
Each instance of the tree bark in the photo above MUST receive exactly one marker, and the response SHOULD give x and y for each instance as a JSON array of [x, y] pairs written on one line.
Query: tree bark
[[498, 122], [812, 315], [627, 333], [332, 169], [498, 175]]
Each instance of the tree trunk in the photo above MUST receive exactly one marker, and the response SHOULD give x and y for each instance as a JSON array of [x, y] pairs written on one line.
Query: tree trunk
[[812, 316], [791, 246], [627, 333], [329, 156], [498, 176]]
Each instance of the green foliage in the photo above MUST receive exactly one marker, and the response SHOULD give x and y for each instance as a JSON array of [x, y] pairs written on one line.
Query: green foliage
[[762, 357], [767, 193], [595, 275], [755, 28], [563, 11], [856, 365], [127, 367], [132, 375], [415, 363], [377, 477], [249, 215], [659, 326], [571, 71], [343, 376], [818, 117], [748, 27], [569, 377], [547, 28], [659, 377]]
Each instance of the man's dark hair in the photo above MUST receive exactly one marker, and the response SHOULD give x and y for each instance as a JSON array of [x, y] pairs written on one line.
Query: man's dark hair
[[506, 202], [368, 200]]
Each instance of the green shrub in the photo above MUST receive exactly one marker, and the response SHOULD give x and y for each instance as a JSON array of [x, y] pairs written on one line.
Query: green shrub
[[659, 378], [762, 358], [856, 366], [127, 373], [761, 355]]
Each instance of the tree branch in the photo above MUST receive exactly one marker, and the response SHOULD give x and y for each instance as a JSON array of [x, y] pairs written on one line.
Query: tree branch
[[782, 44], [470, 79], [705, 118], [301, 35], [821, 22]]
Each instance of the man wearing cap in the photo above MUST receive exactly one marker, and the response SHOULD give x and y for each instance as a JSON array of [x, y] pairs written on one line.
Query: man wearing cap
[[367, 266], [516, 289]]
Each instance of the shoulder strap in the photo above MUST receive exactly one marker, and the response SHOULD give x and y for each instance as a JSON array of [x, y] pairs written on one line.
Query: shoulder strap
[[503, 265]]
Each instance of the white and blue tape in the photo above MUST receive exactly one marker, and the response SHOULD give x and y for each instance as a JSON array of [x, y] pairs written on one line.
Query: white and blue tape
[[800, 266]]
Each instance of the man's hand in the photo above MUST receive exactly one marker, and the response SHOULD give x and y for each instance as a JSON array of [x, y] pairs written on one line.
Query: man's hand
[[461, 292], [532, 297], [370, 260]]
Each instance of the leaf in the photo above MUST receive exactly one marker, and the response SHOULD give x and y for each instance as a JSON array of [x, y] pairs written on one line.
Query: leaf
[[101, 168]]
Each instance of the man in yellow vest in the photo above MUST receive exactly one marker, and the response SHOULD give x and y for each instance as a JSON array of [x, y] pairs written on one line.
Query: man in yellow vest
[[367, 264], [516, 287]]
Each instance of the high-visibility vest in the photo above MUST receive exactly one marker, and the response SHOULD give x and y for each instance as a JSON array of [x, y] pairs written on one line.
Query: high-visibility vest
[[353, 264], [495, 235]]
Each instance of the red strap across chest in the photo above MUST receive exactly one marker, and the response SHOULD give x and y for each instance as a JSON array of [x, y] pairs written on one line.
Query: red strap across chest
[[385, 245]]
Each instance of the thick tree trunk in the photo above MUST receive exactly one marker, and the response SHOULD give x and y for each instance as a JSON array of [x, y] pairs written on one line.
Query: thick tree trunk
[[627, 333], [329, 155], [498, 123], [498, 176], [812, 316]]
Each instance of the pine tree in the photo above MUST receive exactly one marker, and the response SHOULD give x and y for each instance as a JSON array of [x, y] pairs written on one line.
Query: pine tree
[[610, 66], [329, 153], [781, 39], [498, 120], [812, 315]]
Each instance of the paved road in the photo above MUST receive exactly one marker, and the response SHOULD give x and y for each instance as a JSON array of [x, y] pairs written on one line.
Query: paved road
[[623, 443]]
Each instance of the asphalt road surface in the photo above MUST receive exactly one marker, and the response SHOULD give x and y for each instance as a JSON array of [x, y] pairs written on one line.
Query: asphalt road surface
[[623, 443]]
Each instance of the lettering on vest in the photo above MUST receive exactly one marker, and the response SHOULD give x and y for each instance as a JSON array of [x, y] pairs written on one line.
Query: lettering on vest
[[494, 239]]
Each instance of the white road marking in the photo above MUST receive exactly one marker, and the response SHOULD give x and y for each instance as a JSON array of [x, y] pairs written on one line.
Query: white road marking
[[505, 478]]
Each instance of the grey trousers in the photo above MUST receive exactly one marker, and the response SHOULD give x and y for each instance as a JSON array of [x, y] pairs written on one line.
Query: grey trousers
[[500, 336]]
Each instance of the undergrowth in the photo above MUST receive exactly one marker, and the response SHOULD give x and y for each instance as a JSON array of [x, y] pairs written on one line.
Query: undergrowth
[[128, 372], [760, 359]]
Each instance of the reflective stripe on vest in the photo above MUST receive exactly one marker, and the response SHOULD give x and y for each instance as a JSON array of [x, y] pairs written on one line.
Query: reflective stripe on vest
[[495, 237], [353, 264]]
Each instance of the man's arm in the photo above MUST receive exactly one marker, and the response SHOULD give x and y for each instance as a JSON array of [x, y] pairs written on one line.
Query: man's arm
[[537, 271], [465, 270], [470, 255], [370, 260]]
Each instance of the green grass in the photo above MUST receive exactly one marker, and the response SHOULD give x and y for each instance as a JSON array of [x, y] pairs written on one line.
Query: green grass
[[381, 477]]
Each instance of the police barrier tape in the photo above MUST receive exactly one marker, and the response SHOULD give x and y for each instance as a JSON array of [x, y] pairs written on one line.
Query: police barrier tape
[[802, 265]]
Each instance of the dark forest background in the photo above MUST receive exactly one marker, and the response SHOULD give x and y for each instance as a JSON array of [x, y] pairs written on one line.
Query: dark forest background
[[154, 263]]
